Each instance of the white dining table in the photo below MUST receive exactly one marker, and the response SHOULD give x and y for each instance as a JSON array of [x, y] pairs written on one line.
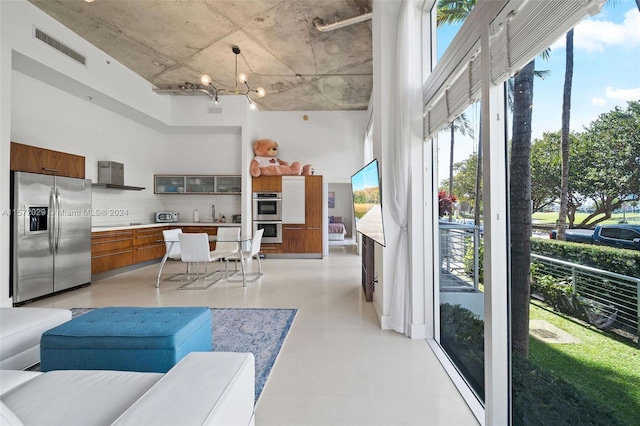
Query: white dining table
[[212, 238]]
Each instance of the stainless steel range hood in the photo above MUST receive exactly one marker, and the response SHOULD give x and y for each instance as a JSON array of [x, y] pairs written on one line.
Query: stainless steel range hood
[[111, 175]]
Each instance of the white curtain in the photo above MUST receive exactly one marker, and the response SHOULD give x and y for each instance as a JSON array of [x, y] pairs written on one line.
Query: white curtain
[[408, 131]]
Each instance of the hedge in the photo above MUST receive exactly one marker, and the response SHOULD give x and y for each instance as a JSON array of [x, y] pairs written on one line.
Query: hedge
[[621, 261]]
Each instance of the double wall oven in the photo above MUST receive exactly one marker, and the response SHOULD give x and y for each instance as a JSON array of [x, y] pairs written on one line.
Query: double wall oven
[[267, 215]]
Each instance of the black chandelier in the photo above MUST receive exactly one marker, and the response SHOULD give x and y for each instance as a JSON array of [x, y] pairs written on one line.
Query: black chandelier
[[206, 86], [213, 91]]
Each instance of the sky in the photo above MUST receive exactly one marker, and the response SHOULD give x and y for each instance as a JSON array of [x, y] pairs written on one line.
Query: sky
[[367, 177], [606, 74]]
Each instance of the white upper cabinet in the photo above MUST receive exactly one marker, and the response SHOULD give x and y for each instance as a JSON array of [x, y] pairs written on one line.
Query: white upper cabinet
[[293, 199]]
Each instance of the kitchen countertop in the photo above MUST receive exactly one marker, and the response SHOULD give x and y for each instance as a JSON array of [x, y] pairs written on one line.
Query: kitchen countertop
[[100, 228]]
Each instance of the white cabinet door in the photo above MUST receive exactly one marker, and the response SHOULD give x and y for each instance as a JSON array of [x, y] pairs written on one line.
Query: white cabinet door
[[293, 199]]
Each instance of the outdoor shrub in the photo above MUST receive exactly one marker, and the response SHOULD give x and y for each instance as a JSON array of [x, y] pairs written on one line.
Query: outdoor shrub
[[468, 261], [616, 304], [462, 325], [462, 336], [559, 295], [621, 261], [552, 289], [445, 203]]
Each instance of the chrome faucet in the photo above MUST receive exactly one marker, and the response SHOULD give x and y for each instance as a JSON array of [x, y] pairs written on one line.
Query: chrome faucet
[[213, 212]]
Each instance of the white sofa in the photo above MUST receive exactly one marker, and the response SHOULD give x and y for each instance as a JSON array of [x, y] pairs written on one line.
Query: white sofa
[[204, 388], [20, 333]]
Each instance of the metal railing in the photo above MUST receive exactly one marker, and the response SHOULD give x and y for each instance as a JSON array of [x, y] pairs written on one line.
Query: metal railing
[[456, 241], [614, 291]]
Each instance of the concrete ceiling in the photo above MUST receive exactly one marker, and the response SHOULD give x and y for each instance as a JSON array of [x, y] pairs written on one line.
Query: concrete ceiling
[[171, 42]]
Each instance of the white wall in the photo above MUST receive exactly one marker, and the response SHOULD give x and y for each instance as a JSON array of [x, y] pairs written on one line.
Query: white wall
[[385, 28], [331, 141], [50, 118], [207, 154]]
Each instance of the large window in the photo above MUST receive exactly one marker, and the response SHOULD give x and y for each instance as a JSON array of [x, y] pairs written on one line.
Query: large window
[[575, 306], [461, 307], [541, 313]]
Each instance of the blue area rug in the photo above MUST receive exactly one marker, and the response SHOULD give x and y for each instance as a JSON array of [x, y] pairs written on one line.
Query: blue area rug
[[259, 331]]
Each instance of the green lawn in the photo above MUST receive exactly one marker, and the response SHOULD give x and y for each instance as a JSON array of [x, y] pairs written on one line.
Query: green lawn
[[552, 217], [605, 369]]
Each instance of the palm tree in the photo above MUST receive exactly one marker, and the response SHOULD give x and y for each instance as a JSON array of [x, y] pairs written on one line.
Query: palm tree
[[564, 136], [452, 11], [520, 209], [463, 125]]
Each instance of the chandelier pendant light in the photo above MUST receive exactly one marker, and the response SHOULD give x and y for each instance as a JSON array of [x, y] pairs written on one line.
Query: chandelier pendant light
[[244, 89]]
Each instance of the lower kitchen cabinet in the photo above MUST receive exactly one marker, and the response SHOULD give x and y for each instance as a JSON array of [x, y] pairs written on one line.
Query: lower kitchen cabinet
[[313, 240], [293, 238], [270, 248], [111, 250], [148, 244], [117, 249]]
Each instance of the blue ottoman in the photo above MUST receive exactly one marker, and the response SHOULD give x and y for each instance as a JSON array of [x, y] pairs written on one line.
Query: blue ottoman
[[127, 339]]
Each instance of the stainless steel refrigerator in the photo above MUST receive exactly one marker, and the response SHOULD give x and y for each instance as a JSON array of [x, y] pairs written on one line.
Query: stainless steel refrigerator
[[50, 234]]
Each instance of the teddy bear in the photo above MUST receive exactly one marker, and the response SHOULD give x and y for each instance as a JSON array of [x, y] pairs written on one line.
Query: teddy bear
[[266, 162]]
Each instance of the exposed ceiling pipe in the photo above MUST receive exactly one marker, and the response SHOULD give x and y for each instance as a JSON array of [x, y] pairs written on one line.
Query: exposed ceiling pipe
[[321, 26]]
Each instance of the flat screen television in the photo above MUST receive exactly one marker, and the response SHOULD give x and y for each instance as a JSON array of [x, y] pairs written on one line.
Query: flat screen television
[[367, 202]]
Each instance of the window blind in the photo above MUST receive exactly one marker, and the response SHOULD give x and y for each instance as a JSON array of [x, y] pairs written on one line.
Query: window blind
[[456, 97], [523, 33], [519, 31]]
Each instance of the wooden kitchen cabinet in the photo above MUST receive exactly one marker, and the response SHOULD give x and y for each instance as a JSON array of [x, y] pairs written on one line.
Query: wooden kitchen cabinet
[[147, 244], [303, 238], [267, 183], [313, 214], [120, 248], [313, 240], [111, 250], [26, 158], [270, 248], [293, 238], [313, 201]]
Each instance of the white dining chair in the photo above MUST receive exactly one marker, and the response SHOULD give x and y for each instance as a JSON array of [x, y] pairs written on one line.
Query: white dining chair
[[173, 248], [170, 237], [194, 249], [253, 252], [227, 243]]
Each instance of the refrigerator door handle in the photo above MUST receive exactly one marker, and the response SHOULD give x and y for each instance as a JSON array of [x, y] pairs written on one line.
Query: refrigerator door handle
[[58, 213], [51, 220]]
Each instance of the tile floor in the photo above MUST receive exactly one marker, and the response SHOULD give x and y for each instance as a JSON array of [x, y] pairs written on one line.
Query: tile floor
[[337, 367]]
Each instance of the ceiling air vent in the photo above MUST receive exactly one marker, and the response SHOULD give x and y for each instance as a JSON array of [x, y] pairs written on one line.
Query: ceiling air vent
[[42, 36]]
